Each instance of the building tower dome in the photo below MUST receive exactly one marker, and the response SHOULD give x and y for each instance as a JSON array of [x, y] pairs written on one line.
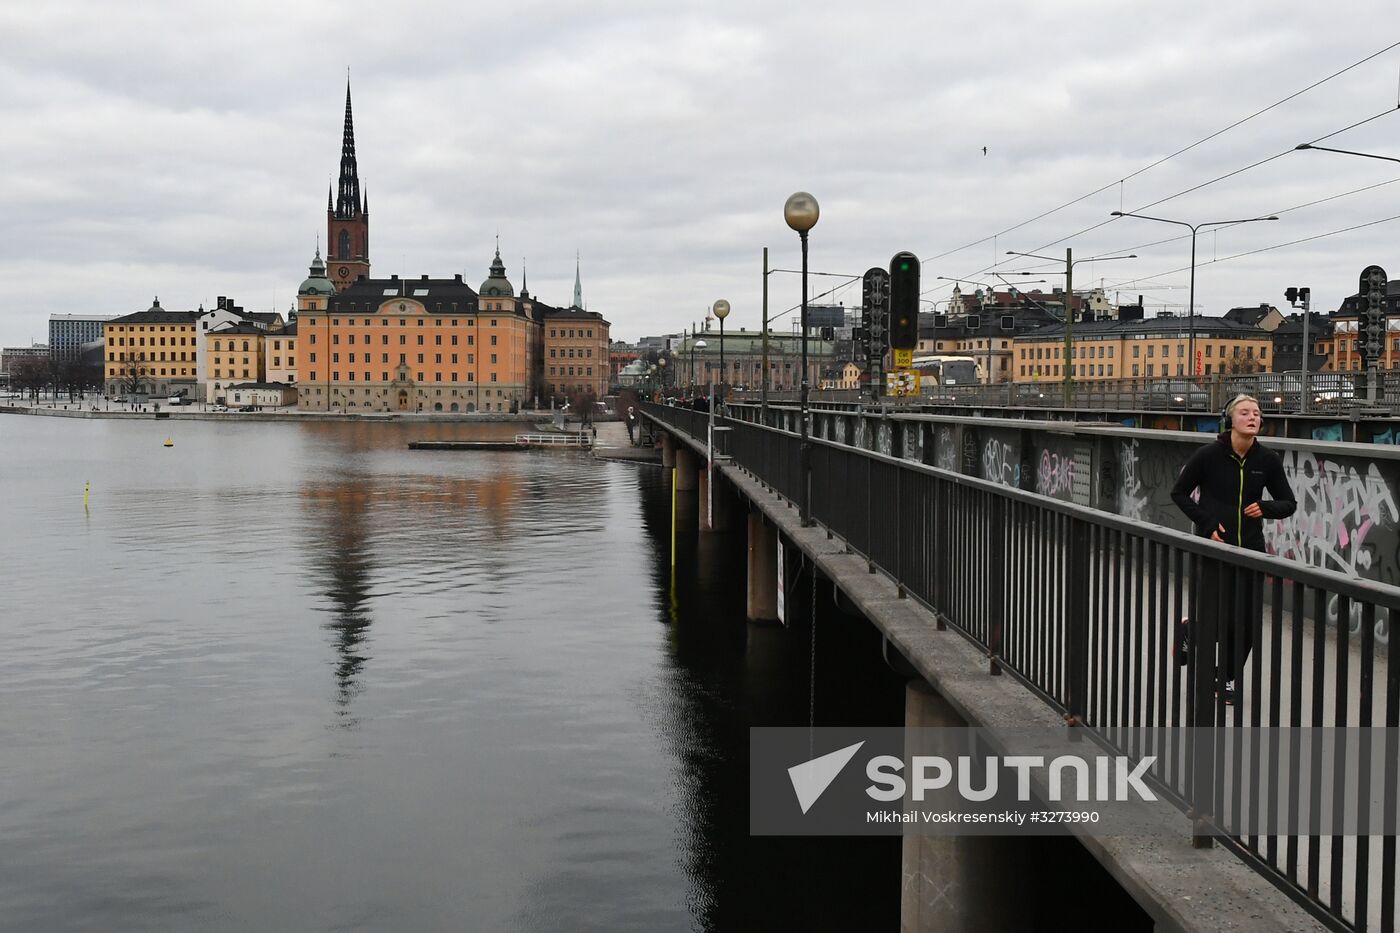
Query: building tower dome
[[317, 283], [497, 285]]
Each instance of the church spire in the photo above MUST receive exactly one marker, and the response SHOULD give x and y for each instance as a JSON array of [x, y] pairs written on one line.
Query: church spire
[[347, 204], [578, 284], [524, 280]]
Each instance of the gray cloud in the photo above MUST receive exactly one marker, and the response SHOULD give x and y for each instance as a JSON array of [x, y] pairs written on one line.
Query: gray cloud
[[184, 149]]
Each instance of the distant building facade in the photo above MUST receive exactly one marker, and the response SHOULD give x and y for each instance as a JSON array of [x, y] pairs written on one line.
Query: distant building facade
[[68, 333], [152, 352]]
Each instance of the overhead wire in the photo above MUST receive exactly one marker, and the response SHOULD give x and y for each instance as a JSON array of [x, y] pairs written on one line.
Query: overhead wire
[[1181, 151]]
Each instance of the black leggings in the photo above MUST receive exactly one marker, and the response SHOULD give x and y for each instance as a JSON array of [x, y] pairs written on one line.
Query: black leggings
[[1234, 597]]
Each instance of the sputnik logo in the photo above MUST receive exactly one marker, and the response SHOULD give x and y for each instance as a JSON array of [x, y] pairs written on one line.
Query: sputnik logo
[[811, 778]]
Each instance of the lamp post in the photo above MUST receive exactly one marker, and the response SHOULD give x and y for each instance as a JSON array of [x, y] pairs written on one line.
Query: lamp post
[[721, 310], [1191, 299], [1069, 310], [801, 213], [695, 345], [661, 374]]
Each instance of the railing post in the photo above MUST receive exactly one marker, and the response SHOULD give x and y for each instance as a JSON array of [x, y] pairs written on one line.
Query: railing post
[[1077, 563], [996, 583]]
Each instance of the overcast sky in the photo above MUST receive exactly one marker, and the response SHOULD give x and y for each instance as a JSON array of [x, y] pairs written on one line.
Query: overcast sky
[[184, 149]]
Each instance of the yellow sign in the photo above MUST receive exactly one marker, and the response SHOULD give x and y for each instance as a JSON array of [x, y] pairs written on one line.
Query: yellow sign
[[903, 359], [902, 383]]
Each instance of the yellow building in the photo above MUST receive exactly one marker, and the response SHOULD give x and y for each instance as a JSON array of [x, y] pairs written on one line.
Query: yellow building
[[151, 352], [236, 354], [281, 355], [1154, 348]]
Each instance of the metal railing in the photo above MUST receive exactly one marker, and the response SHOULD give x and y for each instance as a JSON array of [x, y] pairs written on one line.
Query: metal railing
[[1082, 607], [1279, 393]]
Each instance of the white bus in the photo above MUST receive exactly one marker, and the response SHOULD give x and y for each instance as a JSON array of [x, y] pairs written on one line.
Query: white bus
[[942, 372]]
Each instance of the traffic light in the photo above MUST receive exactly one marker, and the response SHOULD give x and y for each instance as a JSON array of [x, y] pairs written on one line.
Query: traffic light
[[1291, 294], [904, 301], [1370, 318], [940, 320]]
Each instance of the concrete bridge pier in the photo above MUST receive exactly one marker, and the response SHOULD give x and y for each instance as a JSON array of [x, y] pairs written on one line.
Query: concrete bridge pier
[[686, 465], [668, 451], [940, 889], [763, 569]]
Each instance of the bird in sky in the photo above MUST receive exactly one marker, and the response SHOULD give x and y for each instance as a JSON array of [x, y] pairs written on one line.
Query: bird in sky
[[984, 150]]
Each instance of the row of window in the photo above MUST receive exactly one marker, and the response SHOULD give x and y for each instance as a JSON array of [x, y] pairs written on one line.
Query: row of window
[[218, 345], [585, 352], [569, 332], [185, 356], [571, 372], [384, 377], [141, 341], [403, 358], [403, 321], [1092, 369], [403, 339], [144, 371], [219, 373], [141, 328], [1080, 352]]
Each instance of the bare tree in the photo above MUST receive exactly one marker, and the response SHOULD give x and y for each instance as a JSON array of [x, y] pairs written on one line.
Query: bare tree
[[29, 375], [581, 403], [1240, 364]]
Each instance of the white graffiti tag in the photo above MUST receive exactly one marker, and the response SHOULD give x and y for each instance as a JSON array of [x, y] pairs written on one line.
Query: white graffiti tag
[[1056, 475], [1000, 464], [1132, 499]]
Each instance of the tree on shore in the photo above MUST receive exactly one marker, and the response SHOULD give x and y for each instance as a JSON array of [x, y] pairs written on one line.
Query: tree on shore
[[30, 374], [582, 402]]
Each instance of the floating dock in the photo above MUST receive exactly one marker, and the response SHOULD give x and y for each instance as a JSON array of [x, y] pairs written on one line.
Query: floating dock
[[521, 442]]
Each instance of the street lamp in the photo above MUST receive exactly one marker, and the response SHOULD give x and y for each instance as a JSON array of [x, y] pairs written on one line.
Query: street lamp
[[1191, 299], [661, 374], [695, 345], [1069, 309], [801, 213], [721, 310], [1364, 155]]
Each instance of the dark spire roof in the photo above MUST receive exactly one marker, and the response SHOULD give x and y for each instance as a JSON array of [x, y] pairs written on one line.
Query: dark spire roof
[[347, 203]]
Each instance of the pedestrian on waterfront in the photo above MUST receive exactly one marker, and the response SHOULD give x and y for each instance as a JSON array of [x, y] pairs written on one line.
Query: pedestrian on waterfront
[[1232, 474]]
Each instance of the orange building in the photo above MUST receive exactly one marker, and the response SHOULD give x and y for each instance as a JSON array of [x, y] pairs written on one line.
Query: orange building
[[575, 352], [413, 345]]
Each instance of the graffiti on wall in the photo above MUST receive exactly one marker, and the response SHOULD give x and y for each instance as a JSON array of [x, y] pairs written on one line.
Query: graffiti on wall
[[1327, 432], [1056, 475], [1000, 464], [914, 442], [945, 449], [1340, 508], [1145, 481]]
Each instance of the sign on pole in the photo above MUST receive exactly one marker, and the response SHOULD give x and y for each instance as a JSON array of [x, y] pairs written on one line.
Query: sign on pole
[[902, 383], [782, 584], [903, 359]]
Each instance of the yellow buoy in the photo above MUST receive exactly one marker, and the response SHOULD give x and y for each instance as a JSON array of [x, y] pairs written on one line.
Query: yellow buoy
[[169, 442]]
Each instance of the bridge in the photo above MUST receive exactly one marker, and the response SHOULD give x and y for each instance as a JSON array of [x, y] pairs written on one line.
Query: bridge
[[1020, 575]]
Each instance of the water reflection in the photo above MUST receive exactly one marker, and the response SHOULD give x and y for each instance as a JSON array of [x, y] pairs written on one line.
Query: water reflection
[[343, 563], [728, 675]]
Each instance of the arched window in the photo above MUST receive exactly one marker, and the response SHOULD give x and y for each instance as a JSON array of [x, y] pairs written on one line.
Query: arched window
[[345, 244]]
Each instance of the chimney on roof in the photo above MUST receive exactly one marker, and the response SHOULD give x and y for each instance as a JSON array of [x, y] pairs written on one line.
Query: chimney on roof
[[457, 277], [425, 278], [222, 300], [394, 277]]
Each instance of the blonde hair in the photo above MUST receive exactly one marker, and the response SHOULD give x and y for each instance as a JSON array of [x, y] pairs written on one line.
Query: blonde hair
[[1234, 402]]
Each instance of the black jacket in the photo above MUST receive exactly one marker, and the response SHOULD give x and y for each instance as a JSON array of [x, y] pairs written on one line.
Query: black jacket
[[1229, 483]]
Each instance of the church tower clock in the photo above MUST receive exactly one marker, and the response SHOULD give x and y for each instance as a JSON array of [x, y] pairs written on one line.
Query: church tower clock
[[347, 215]]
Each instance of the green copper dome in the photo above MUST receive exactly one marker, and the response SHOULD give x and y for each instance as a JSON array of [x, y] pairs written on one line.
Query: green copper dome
[[497, 286], [317, 283]]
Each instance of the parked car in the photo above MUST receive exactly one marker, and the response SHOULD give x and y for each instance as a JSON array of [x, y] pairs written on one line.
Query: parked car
[[1173, 393], [218, 408], [1275, 391]]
